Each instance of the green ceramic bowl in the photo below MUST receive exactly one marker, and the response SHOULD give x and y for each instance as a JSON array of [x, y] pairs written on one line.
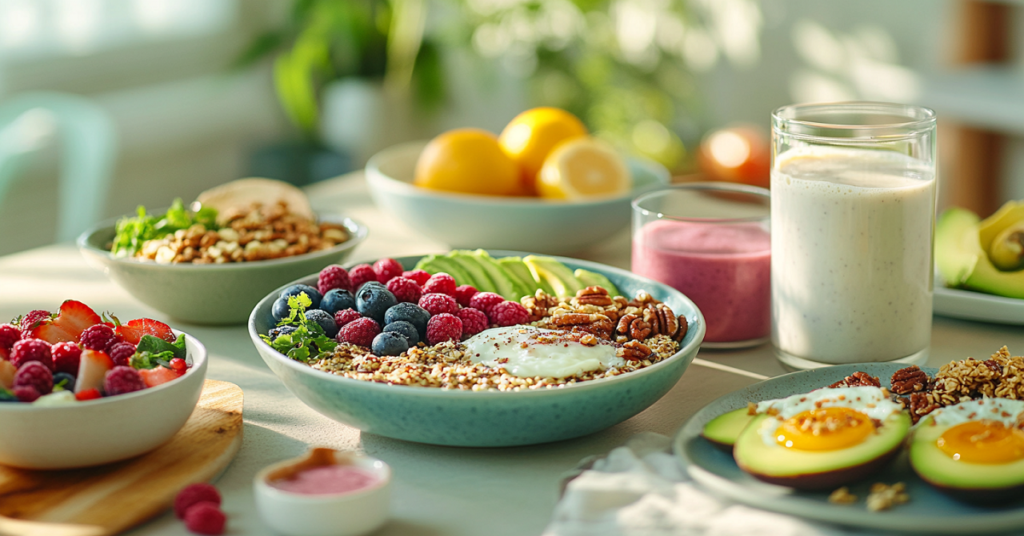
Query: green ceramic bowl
[[212, 294], [488, 418]]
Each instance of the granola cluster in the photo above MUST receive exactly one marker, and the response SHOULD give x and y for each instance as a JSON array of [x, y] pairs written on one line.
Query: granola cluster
[[258, 233]]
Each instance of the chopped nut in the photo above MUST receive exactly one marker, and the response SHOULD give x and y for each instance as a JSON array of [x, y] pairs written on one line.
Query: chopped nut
[[909, 380], [842, 496], [884, 497]]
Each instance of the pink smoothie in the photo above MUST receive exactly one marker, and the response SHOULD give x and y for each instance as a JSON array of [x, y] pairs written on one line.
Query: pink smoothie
[[327, 480], [723, 268]]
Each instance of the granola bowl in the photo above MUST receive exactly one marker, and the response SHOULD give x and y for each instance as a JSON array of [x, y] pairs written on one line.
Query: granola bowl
[[489, 418], [210, 294], [492, 222]]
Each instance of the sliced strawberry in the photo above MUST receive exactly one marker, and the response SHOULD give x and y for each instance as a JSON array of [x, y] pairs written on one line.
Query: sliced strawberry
[[156, 376], [51, 333], [135, 329], [91, 370], [73, 318], [88, 394]]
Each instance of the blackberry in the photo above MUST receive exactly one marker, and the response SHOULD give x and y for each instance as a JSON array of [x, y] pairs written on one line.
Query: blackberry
[[411, 313], [373, 300], [336, 300], [389, 343], [326, 321], [295, 290], [404, 329], [282, 330]]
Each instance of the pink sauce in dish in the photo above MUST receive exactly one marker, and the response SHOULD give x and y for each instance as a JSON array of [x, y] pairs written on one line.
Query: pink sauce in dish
[[327, 480], [723, 268]]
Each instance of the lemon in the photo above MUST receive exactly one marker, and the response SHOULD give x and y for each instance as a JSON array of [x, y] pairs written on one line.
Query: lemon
[[583, 168], [467, 160], [531, 136]]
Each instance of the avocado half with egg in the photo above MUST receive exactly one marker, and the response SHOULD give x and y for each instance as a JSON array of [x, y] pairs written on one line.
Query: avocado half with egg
[[822, 439], [973, 451], [725, 429], [987, 255]]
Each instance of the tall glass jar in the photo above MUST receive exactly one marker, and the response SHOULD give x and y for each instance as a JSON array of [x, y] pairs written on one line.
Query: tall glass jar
[[852, 217]]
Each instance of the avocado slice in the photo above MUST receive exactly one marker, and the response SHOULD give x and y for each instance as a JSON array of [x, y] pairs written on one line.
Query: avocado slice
[[433, 264], [594, 279], [558, 275], [1002, 236], [506, 286], [518, 269], [823, 469], [723, 430], [481, 281], [962, 260]]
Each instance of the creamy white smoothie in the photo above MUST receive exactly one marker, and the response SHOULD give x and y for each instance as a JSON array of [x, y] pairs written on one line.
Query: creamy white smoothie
[[851, 258]]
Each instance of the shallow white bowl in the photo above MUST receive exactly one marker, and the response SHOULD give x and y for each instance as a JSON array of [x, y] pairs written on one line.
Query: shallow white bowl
[[492, 222], [101, 431], [344, 514]]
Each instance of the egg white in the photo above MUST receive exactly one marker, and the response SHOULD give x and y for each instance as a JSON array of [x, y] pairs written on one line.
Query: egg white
[[871, 401], [528, 352], [1003, 410]]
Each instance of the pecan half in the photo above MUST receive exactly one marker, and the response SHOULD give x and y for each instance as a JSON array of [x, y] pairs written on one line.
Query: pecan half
[[684, 326], [592, 296], [634, 327], [634, 351], [857, 379], [909, 380], [920, 405], [662, 320], [642, 298], [596, 324]]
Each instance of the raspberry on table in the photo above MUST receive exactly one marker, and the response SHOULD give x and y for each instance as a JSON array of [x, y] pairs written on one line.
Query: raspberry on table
[[444, 327], [464, 293], [436, 304], [192, 494], [387, 269], [9, 335], [361, 273], [345, 316], [26, 393], [509, 313], [405, 290], [419, 276], [484, 301], [120, 353], [473, 321], [36, 375], [97, 337], [27, 350], [66, 357], [333, 277], [33, 317], [205, 518], [360, 332], [121, 380], [440, 283]]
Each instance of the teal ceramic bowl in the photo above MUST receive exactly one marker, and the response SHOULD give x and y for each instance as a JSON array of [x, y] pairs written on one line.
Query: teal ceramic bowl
[[492, 222], [210, 294], [488, 418]]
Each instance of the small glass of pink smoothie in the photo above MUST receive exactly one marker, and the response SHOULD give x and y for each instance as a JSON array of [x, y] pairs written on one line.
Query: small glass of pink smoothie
[[711, 242]]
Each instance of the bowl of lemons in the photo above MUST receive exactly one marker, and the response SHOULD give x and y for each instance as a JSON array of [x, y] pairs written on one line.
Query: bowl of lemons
[[544, 184]]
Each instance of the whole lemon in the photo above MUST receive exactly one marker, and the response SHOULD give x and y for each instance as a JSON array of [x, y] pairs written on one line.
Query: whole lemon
[[531, 136], [467, 160]]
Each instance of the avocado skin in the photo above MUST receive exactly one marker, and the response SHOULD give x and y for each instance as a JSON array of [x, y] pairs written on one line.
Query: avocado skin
[[832, 479], [979, 496]]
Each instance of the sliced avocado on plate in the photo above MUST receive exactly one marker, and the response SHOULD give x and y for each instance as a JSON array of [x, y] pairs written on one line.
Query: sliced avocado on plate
[[594, 279], [518, 269], [555, 273], [481, 281], [961, 257], [433, 264], [723, 430], [504, 284]]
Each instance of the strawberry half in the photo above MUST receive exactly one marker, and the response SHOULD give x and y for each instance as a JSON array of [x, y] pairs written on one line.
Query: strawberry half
[[69, 323], [134, 330]]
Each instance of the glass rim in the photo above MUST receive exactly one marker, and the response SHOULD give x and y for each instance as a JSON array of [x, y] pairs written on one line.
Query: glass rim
[[729, 187], [919, 119]]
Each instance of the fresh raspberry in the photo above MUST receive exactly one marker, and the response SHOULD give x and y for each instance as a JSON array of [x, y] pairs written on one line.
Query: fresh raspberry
[[436, 304], [8, 336], [333, 277], [444, 327], [509, 313], [27, 350], [121, 380], [405, 290], [32, 318], [360, 274], [440, 283], [205, 518], [97, 337], [484, 301], [345, 316], [26, 394], [66, 357], [120, 353], [473, 321], [91, 393], [387, 269], [192, 494], [419, 276], [464, 293], [34, 374], [359, 332]]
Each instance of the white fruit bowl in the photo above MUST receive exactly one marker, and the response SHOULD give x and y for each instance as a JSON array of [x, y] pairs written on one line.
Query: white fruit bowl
[[101, 431], [508, 223]]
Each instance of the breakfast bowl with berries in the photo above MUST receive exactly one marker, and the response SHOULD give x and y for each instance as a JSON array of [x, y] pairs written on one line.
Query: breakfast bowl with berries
[[79, 389], [477, 348], [210, 262]]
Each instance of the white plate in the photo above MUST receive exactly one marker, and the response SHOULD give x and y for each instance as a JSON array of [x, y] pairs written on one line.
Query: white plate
[[971, 305]]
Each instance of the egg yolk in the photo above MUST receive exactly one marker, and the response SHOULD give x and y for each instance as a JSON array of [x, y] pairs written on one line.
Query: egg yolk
[[824, 429], [982, 442]]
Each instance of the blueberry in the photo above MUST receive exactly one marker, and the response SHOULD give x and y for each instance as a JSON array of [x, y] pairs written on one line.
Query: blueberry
[[404, 329], [282, 330], [411, 313], [325, 320], [373, 301], [280, 309], [336, 300], [369, 284], [389, 343], [69, 380], [295, 290], [7, 396]]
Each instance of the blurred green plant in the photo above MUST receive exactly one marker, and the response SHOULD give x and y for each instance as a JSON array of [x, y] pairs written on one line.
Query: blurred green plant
[[326, 40]]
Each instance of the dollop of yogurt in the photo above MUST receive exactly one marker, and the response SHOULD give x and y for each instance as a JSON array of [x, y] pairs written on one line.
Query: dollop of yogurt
[[526, 352]]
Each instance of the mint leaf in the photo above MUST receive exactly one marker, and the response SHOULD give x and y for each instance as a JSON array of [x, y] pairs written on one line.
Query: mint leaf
[[308, 341], [131, 233]]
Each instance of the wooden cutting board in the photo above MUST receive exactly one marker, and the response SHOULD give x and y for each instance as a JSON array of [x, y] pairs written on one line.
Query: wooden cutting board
[[107, 500]]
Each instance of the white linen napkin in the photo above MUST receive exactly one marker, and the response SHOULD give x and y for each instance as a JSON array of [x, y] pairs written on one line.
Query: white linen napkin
[[641, 489]]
